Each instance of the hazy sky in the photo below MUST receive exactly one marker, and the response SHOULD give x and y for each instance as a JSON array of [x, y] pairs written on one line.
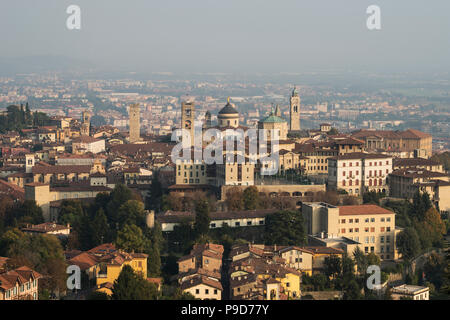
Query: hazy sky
[[233, 35]]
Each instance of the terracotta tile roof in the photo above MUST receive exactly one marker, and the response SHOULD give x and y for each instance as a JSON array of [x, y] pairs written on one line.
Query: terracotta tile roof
[[105, 253], [417, 173], [361, 155], [324, 250], [364, 209], [85, 139], [84, 261], [11, 190], [19, 276], [40, 168], [200, 271], [199, 279], [412, 162]]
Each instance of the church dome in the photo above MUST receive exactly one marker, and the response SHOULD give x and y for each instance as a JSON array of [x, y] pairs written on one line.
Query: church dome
[[228, 109], [273, 119]]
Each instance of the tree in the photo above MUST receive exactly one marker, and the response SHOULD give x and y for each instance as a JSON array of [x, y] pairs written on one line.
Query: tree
[[154, 261], [349, 201], [234, 199], [352, 291], [71, 212], [445, 288], [100, 228], [130, 286], [118, 196], [98, 295], [360, 260], [28, 116], [251, 196], [156, 193], [27, 212], [155, 235], [330, 197], [285, 228], [202, 218], [132, 212], [421, 203], [434, 269], [408, 243], [332, 266], [131, 239], [42, 253], [435, 226], [181, 295]]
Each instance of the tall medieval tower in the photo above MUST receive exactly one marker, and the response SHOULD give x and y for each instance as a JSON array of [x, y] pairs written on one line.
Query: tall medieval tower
[[86, 123], [294, 111], [135, 124], [188, 118]]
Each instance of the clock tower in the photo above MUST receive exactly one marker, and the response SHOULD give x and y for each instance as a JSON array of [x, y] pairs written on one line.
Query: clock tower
[[294, 111]]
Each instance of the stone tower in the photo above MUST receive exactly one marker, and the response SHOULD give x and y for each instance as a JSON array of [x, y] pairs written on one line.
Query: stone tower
[[207, 120], [188, 118], [278, 111], [135, 124], [86, 123], [294, 111]]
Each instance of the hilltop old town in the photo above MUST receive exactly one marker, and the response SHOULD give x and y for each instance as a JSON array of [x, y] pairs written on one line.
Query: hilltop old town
[[113, 205]]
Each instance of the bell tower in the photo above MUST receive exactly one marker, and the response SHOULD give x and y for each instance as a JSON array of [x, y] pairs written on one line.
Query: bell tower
[[188, 118], [86, 123], [294, 111]]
